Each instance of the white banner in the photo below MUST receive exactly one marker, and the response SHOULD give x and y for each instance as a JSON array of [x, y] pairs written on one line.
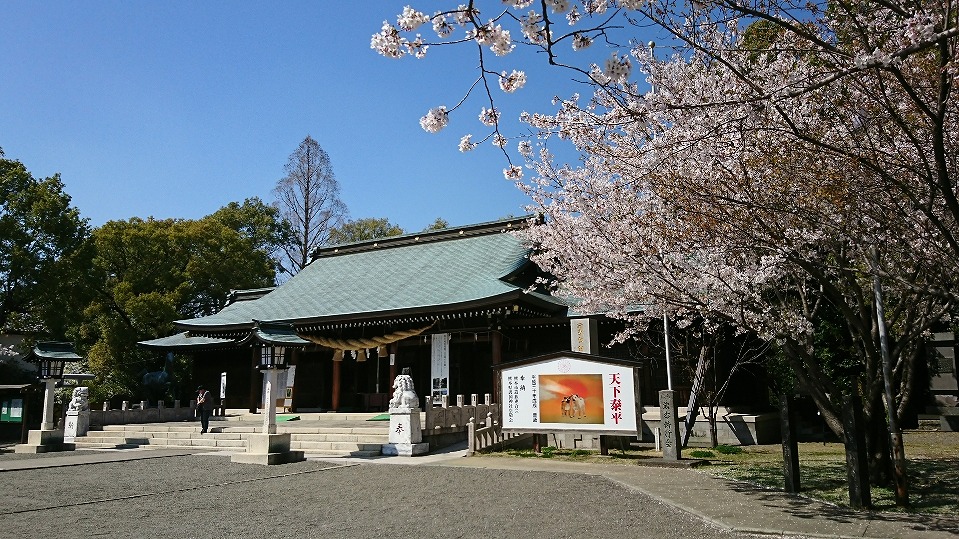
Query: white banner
[[569, 394], [288, 394], [440, 366]]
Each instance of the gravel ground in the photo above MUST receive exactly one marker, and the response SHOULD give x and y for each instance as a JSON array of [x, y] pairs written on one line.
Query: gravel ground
[[208, 496]]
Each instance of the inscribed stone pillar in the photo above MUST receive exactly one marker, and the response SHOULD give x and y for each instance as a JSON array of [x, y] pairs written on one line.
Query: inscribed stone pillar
[[668, 425]]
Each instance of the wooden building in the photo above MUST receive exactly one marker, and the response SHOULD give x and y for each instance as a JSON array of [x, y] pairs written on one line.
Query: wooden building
[[359, 313]]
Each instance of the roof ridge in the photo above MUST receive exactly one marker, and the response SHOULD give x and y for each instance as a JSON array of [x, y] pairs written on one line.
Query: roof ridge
[[451, 233]]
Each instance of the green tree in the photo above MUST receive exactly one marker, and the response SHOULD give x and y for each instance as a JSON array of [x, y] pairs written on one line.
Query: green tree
[[438, 224], [42, 253], [364, 229], [151, 273], [258, 222]]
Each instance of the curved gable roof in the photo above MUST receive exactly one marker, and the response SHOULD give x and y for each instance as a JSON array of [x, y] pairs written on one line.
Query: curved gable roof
[[385, 278]]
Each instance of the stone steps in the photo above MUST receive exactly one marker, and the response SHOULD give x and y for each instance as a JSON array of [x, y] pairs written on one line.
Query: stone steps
[[325, 441]]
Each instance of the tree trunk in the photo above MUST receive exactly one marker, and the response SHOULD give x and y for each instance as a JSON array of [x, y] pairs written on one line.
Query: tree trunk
[[895, 433], [877, 442]]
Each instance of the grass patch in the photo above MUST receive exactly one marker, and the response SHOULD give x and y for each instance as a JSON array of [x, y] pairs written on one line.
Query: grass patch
[[729, 449], [701, 454], [549, 452], [932, 469], [522, 453]]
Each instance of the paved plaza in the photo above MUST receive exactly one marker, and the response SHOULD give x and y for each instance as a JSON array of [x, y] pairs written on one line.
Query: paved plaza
[[168, 493]]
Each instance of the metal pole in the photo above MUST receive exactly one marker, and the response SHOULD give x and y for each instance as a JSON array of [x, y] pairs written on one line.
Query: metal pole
[[669, 365]]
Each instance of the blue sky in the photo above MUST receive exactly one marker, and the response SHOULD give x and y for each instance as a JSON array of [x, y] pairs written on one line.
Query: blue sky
[[174, 109]]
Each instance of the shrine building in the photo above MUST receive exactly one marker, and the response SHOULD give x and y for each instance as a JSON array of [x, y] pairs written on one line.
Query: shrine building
[[449, 304]]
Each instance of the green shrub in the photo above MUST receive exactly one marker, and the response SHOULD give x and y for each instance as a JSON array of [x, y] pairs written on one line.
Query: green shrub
[[728, 449], [548, 451], [701, 454]]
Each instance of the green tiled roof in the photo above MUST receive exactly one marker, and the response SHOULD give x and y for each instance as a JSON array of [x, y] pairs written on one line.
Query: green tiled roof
[[55, 350], [185, 341], [389, 278]]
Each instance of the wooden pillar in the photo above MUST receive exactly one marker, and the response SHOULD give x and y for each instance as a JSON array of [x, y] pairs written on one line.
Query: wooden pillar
[[255, 379], [25, 393], [337, 363], [294, 360]]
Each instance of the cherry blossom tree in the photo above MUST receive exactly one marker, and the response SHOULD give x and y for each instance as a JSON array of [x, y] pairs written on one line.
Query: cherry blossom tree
[[773, 161]]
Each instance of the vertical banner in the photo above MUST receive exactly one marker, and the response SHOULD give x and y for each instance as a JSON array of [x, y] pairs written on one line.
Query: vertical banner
[[222, 387], [440, 366], [288, 384], [584, 335]]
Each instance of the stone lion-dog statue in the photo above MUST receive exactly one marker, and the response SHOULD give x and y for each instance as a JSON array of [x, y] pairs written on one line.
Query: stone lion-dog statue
[[404, 396], [80, 401]]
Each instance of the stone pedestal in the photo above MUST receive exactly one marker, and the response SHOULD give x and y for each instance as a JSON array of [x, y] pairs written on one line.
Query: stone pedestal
[[268, 449], [44, 441], [406, 433], [669, 426], [77, 424]]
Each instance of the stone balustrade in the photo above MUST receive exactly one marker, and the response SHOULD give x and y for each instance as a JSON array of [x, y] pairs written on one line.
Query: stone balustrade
[[446, 419], [142, 412]]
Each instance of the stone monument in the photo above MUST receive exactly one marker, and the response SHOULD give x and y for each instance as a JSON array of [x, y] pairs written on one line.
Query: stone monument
[[669, 428], [78, 415], [406, 433]]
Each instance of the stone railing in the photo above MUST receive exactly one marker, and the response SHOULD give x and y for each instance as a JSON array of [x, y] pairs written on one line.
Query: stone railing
[[142, 413], [489, 436], [446, 419], [733, 427]]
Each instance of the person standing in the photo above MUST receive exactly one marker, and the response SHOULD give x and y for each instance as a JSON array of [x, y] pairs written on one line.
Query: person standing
[[204, 407]]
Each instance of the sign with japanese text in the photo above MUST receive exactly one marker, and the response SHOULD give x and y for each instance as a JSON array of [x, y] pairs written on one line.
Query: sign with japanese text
[[569, 392], [440, 365], [583, 335]]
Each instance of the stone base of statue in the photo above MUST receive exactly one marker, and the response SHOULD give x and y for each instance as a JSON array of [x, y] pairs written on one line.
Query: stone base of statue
[[268, 449], [77, 424], [44, 441], [406, 433]]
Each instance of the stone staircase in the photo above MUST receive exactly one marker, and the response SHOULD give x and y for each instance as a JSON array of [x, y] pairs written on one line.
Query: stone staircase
[[340, 438]]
